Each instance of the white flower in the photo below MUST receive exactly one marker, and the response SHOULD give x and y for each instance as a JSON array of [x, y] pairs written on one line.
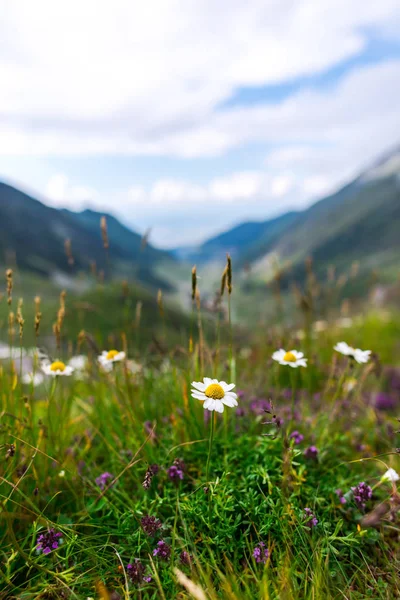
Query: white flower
[[107, 358], [61, 473], [32, 379], [215, 394], [57, 368], [292, 358], [390, 475], [78, 362], [360, 356], [134, 367]]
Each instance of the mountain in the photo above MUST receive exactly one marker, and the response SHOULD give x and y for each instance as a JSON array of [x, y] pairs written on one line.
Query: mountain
[[33, 235], [360, 222], [245, 239]]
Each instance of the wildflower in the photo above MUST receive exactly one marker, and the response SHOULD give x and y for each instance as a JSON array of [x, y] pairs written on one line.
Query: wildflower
[[185, 558], [57, 368], [260, 405], [78, 362], [261, 553], [311, 452], [102, 479], [163, 550], [360, 356], [32, 379], [150, 525], [49, 541], [297, 437], [215, 394], [61, 474], [136, 572], [293, 358], [384, 401], [176, 471], [341, 496], [390, 475], [312, 521], [361, 494], [107, 358]]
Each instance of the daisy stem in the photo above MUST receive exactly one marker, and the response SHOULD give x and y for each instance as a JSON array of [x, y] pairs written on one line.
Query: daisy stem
[[294, 387], [210, 443]]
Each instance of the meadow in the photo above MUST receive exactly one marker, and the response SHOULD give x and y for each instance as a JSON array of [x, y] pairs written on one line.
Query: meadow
[[118, 482]]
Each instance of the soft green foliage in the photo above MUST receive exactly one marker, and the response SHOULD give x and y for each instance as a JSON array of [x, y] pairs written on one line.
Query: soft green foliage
[[59, 437]]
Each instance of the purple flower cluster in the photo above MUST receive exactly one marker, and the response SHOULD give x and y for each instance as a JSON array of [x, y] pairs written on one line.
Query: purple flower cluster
[[150, 525], [297, 437], [163, 550], [361, 494], [102, 479], [311, 521], [176, 470], [261, 553], [259, 406], [48, 541], [311, 452], [341, 497], [136, 572]]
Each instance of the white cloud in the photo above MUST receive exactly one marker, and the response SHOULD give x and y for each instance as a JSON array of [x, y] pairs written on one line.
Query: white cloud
[[146, 78], [60, 193]]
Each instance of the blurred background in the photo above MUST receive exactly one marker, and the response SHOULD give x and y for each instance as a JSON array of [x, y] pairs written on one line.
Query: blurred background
[[268, 130]]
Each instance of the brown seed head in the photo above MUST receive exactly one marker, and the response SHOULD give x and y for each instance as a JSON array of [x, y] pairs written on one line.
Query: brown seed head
[[9, 277], [229, 273], [194, 282], [104, 235]]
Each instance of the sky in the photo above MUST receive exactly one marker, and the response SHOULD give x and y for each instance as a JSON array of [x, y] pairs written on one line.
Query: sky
[[190, 116]]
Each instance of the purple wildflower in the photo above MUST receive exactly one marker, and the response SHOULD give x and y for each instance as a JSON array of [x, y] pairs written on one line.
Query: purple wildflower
[[49, 541], [297, 437], [361, 494], [176, 470], [163, 550], [341, 497], [261, 553], [136, 572], [102, 479], [150, 525], [240, 412], [312, 521], [311, 452], [384, 401], [259, 406]]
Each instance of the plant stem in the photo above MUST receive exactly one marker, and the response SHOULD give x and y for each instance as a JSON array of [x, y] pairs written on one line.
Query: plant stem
[[210, 443]]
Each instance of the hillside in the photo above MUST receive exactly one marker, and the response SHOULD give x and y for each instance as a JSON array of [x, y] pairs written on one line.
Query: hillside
[[32, 236], [240, 241], [360, 222]]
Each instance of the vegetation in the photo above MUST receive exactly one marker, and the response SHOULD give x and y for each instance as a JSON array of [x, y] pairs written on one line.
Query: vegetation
[[104, 486]]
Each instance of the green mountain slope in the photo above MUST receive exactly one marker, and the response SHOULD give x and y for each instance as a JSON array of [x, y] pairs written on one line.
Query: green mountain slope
[[242, 242], [32, 236]]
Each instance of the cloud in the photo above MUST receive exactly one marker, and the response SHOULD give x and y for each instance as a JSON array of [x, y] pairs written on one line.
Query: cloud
[[150, 78], [60, 193]]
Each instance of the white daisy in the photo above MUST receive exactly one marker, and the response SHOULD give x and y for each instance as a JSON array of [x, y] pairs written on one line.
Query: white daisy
[[57, 368], [390, 475], [107, 358], [215, 394], [32, 378], [360, 356], [292, 358], [78, 362]]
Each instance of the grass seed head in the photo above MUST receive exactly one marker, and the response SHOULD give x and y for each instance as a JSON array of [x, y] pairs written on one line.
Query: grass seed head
[[194, 282], [9, 276], [104, 234]]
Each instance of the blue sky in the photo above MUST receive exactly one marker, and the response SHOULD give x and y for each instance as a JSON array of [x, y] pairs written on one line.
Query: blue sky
[[189, 117]]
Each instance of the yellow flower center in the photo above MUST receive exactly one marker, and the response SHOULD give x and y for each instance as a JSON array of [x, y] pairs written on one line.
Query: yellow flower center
[[112, 354], [57, 366], [215, 391], [289, 357]]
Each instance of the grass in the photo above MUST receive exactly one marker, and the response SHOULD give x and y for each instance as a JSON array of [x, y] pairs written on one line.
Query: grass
[[58, 438]]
